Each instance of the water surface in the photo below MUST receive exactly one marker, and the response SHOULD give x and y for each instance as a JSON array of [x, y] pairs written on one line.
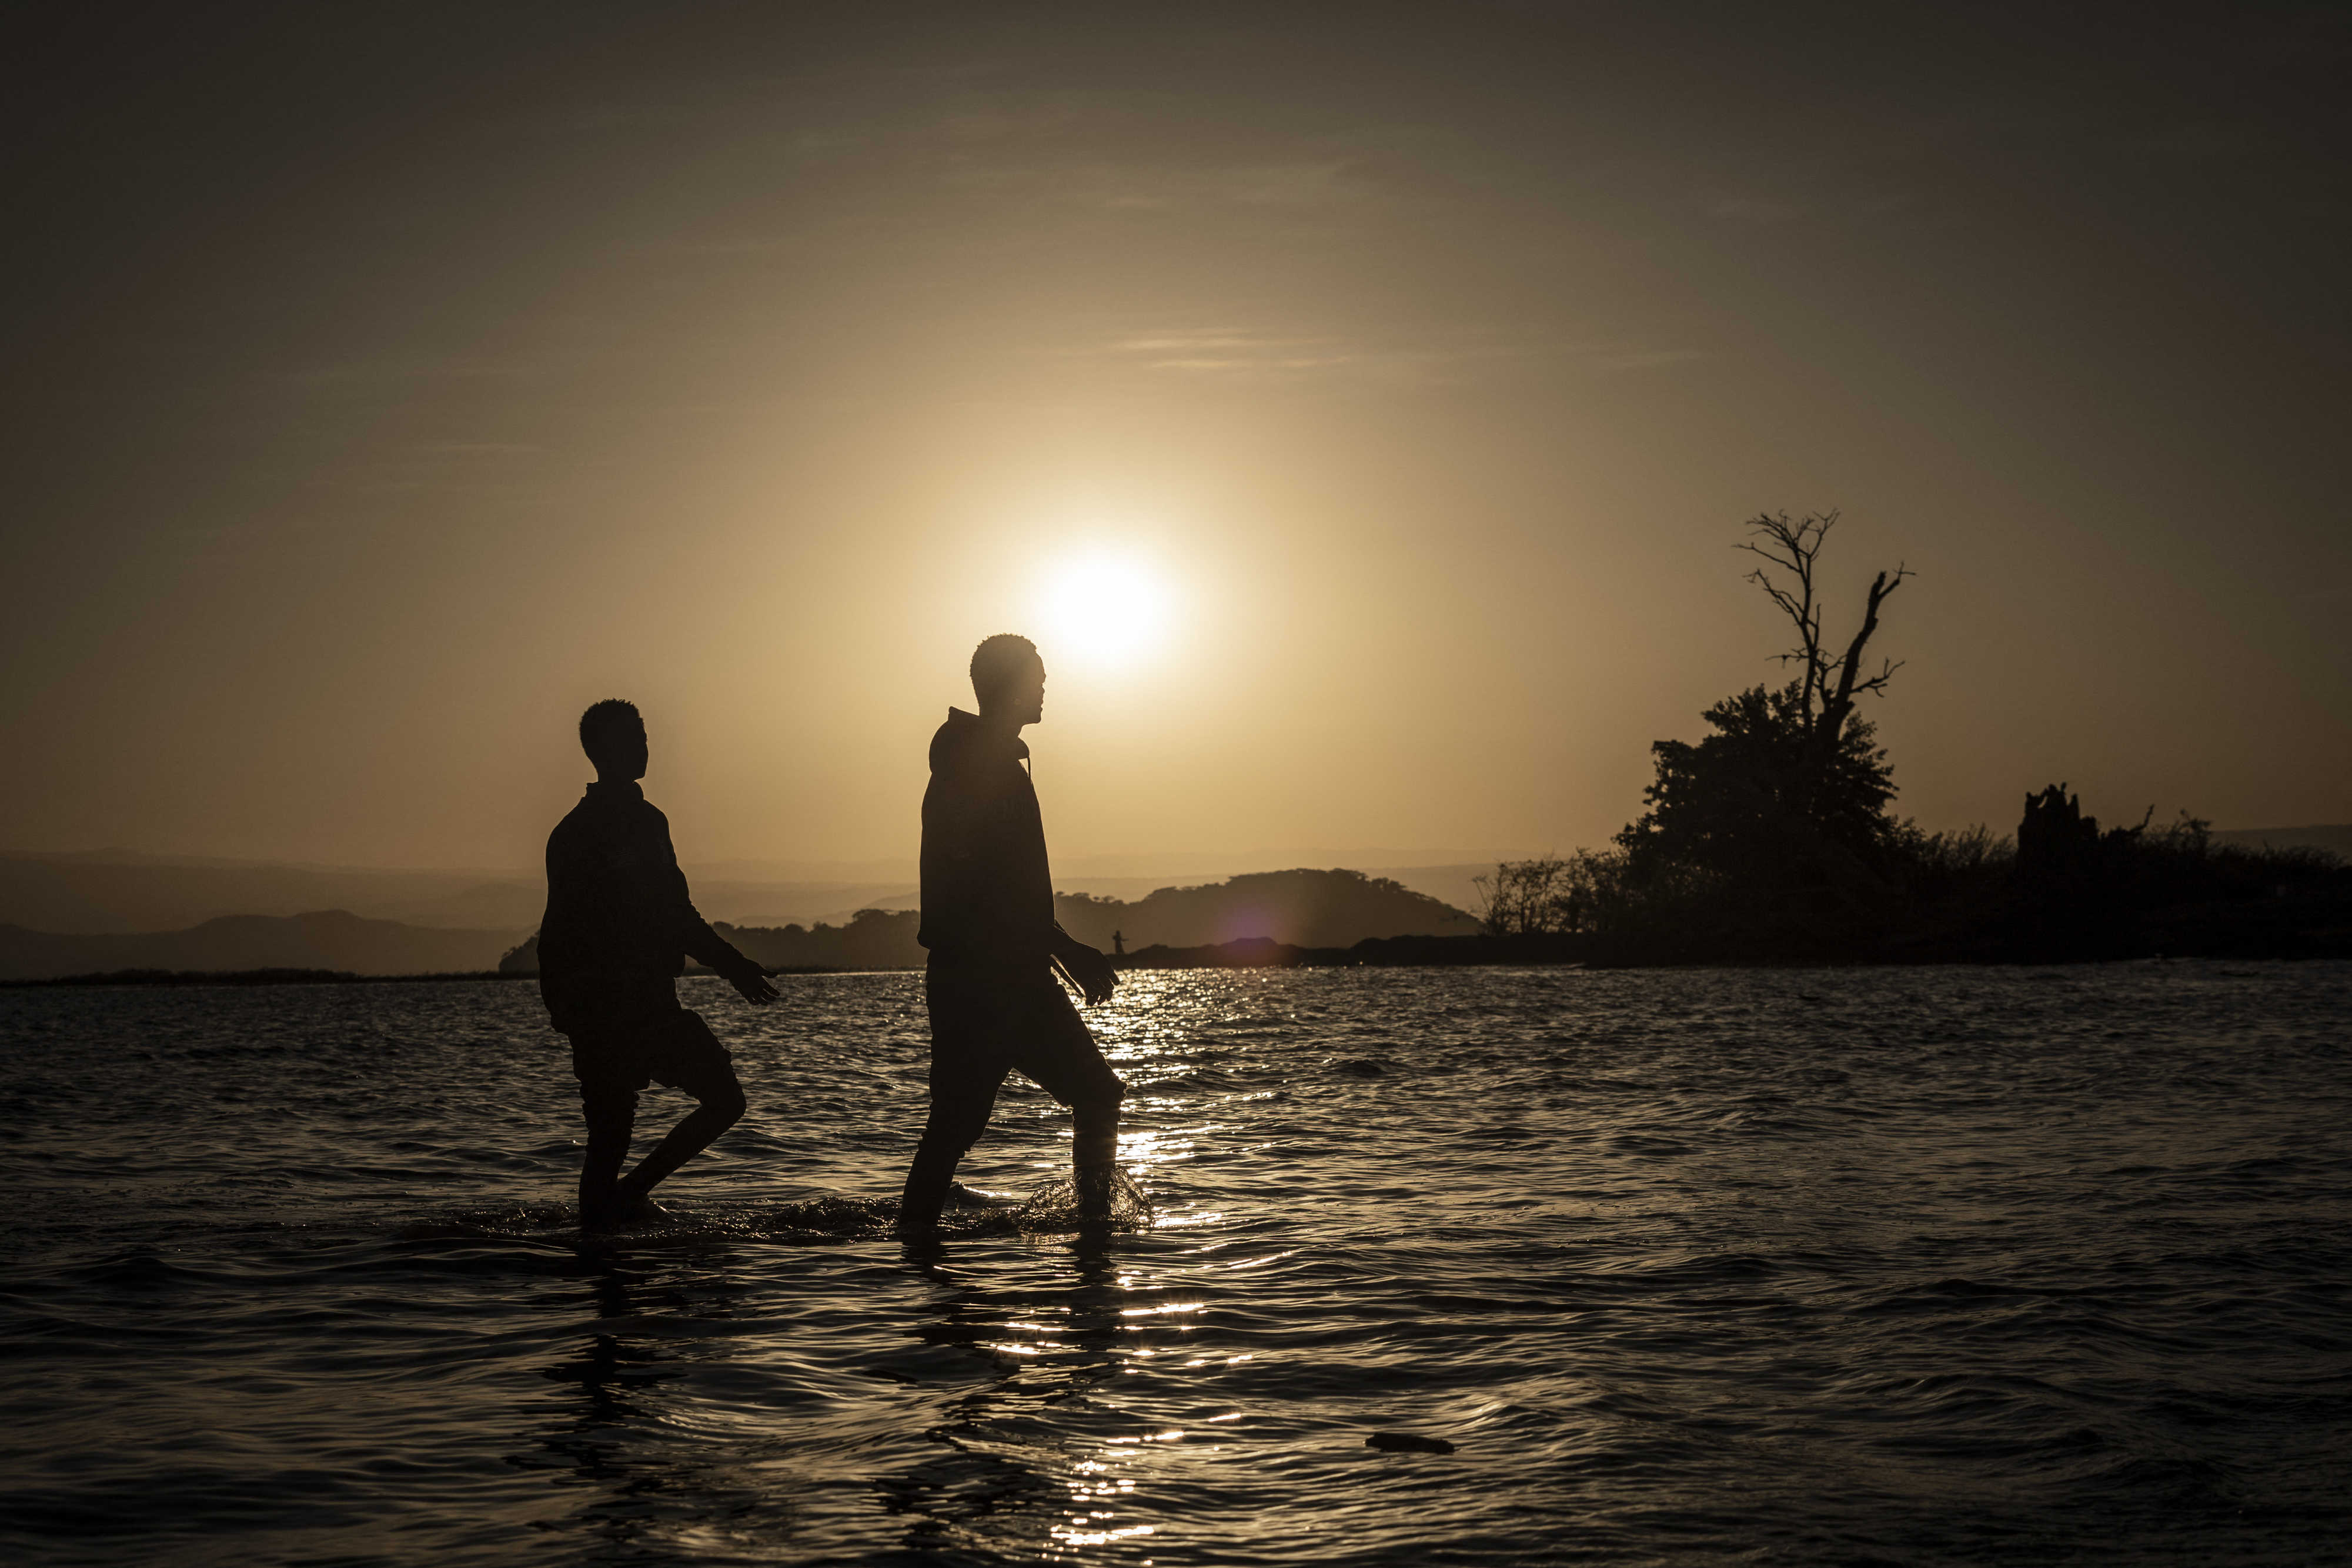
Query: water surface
[[1921, 1267]]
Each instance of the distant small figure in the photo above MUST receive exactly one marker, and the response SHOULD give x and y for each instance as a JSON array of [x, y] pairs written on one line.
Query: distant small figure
[[618, 928], [988, 920], [1118, 944], [1407, 1443]]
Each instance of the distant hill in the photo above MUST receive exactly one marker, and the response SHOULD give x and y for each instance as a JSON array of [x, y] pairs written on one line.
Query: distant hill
[[873, 939], [1373, 952], [1450, 884], [124, 891], [1300, 908], [44, 898], [324, 939], [134, 892], [1306, 909], [2336, 839], [1319, 909], [794, 903], [1446, 883]]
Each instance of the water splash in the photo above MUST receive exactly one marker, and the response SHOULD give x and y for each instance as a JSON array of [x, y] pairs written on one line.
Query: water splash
[[1051, 1207]]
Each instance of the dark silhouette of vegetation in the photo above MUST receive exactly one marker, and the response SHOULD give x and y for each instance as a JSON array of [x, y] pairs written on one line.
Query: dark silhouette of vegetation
[[1825, 688], [1769, 837], [1529, 898], [2078, 891], [874, 939], [1772, 840]]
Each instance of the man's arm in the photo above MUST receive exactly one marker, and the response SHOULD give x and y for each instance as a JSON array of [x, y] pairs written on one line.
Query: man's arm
[[954, 872], [1087, 966]]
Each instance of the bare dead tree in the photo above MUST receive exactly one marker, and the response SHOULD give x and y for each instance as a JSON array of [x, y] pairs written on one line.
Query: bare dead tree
[[1827, 685], [1526, 898]]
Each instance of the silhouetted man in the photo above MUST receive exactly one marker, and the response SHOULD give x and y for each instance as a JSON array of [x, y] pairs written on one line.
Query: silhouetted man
[[619, 926], [988, 920]]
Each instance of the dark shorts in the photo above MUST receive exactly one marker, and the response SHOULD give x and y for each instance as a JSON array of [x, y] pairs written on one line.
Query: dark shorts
[[984, 1024], [675, 1047]]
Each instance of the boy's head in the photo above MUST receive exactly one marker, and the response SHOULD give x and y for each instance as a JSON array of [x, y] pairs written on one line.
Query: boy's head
[[613, 736], [1009, 678]]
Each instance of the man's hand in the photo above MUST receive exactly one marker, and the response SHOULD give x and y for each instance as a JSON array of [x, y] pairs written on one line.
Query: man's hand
[[751, 983], [1089, 970]]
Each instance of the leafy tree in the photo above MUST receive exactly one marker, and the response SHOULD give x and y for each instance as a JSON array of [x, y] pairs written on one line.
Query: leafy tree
[[1752, 798], [1791, 791]]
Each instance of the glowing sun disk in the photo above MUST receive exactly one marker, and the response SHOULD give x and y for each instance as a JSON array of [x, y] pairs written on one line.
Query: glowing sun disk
[[1102, 611]]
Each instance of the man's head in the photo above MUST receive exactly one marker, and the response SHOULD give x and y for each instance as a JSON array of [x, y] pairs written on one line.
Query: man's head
[[614, 737], [1009, 679]]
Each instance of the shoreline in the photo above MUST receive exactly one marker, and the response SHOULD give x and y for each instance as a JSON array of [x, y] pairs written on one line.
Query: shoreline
[[1174, 959]]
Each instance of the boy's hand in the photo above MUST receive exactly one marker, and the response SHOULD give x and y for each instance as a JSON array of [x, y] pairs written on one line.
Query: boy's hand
[[751, 983]]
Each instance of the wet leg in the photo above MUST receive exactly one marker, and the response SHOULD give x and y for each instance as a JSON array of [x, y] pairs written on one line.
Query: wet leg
[[1067, 1063], [721, 1107], [1094, 1155], [612, 1116], [955, 1125]]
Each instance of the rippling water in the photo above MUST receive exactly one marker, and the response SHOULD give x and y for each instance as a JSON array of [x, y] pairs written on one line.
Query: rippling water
[[1911, 1267]]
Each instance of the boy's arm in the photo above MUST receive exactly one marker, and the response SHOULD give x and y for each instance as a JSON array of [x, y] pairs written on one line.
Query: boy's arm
[[706, 946], [721, 956]]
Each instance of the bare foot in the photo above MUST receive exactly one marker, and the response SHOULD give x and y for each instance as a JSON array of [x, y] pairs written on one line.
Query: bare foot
[[1094, 1195], [634, 1211]]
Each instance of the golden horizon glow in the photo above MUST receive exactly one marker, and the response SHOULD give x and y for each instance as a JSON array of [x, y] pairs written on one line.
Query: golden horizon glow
[[1362, 433]]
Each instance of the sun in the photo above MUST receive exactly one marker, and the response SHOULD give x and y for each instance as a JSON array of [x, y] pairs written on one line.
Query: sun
[[1106, 610]]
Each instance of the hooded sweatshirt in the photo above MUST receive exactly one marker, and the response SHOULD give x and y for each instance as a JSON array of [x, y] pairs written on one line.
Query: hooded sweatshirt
[[988, 897]]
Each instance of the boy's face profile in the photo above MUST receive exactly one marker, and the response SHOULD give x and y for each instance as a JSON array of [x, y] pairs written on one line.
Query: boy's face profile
[[622, 757]]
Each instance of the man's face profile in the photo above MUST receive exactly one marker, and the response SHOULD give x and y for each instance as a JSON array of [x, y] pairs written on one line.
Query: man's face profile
[[1008, 677], [1025, 694]]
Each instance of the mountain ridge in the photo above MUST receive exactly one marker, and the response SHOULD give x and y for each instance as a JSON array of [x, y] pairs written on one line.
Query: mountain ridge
[[316, 939]]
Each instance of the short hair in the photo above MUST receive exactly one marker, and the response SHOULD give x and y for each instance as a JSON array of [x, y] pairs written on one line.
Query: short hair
[[608, 721], [1001, 660]]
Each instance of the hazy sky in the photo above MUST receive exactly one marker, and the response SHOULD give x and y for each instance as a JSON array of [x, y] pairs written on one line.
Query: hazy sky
[[387, 381]]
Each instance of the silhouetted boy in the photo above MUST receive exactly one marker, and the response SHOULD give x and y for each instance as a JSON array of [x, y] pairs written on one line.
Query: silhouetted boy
[[988, 920], [619, 925]]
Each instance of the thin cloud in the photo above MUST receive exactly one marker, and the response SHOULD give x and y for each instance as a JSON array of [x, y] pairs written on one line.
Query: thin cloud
[[1237, 351], [1224, 350]]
